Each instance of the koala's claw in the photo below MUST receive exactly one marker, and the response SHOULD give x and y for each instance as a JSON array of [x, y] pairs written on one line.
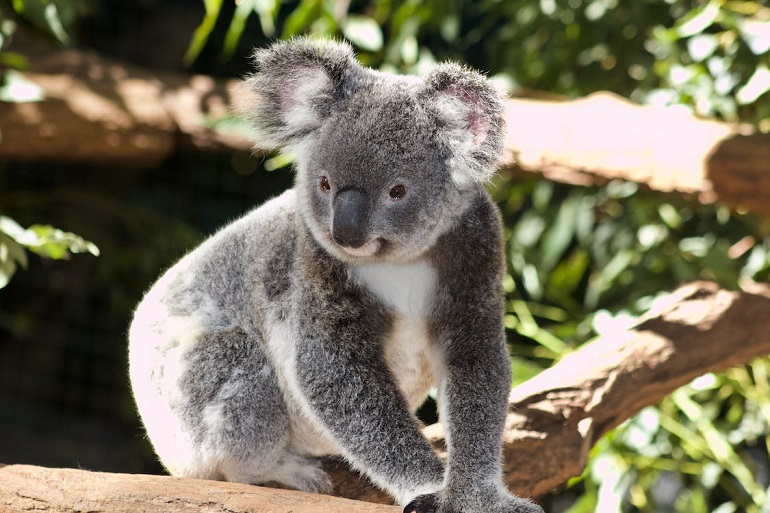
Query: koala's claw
[[423, 504], [432, 503]]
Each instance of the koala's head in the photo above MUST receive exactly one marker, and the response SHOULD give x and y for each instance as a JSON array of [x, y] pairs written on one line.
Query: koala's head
[[385, 164]]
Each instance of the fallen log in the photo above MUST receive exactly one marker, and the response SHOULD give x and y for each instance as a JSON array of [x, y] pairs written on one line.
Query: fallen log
[[553, 420]]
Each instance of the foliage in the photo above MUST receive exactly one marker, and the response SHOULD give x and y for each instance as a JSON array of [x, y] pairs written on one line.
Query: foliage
[[586, 262], [52, 17], [43, 240], [614, 249], [712, 56], [13, 86], [716, 58], [702, 449]]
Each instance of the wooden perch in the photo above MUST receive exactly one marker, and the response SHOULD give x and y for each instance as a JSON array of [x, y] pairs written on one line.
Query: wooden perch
[[102, 111], [553, 421], [603, 137]]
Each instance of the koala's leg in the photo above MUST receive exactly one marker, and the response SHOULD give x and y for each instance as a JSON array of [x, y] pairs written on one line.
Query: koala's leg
[[351, 392], [475, 374], [236, 414]]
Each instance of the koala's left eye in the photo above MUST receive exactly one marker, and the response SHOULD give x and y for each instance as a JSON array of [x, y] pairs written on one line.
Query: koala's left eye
[[397, 192]]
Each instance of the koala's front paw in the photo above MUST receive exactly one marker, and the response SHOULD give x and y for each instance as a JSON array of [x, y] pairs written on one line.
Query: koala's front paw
[[513, 504], [424, 504], [489, 503]]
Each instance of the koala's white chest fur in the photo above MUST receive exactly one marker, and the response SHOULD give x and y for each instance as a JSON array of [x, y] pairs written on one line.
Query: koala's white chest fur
[[408, 290]]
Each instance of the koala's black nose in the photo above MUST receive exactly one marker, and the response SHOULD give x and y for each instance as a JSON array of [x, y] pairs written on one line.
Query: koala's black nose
[[351, 212]]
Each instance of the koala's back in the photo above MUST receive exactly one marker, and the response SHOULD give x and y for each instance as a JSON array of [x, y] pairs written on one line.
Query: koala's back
[[199, 362]]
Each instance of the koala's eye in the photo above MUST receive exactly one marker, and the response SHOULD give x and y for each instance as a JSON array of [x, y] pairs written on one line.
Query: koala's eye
[[325, 185], [397, 192]]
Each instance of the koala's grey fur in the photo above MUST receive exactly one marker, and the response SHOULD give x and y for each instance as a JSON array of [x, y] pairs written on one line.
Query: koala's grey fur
[[317, 323]]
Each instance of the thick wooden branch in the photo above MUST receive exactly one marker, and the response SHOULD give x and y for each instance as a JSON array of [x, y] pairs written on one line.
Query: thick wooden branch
[[29, 488], [604, 137], [554, 419], [100, 110]]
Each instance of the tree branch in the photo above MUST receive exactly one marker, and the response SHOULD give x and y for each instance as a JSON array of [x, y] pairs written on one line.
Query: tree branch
[[553, 421], [604, 137], [103, 111]]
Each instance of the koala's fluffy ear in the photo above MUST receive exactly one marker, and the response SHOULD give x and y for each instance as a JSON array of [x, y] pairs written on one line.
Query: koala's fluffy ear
[[294, 87], [469, 113]]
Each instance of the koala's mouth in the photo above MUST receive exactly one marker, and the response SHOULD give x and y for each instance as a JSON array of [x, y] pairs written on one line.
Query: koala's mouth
[[370, 249]]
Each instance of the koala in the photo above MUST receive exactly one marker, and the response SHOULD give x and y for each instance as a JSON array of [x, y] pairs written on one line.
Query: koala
[[319, 322]]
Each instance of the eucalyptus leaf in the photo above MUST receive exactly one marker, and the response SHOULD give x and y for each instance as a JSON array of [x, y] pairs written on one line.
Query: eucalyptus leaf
[[7, 270], [201, 34], [756, 33], [16, 88], [757, 85], [364, 32], [699, 20]]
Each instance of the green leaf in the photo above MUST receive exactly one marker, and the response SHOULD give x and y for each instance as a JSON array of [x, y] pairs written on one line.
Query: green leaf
[[719, 446], [281, 160], [702, 46], [301, 18], [700, 20], [7, 270], [15, 231], [13, 60], [757, 85], [12, 250], [57, 244], [237, 25], [569, 273], [201, 35], [12, 254], [757, 36], [267, 10], [44, 240], [364, 32], [528, 327], [54, 20], [560, 234], [523, 370], [16, 88]]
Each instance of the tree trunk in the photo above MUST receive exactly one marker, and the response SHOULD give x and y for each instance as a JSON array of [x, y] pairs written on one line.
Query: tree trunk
[[553, 420]]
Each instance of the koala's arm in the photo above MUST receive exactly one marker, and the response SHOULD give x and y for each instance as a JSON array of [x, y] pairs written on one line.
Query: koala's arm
[[346, 384], [476, 376]]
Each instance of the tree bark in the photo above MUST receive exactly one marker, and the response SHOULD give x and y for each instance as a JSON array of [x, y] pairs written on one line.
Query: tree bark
[[553, 420], [101, 111], [29, 488], [604, 137]]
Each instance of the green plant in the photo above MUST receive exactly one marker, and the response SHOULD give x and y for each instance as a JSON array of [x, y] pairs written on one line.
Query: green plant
[[711, 56], [43, 240], [53, 17], [587, 261], [13, 86], [703, 449], [716, 57]]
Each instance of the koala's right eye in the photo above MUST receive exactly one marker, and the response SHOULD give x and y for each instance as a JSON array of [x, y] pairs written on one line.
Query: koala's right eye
[[325, 185]]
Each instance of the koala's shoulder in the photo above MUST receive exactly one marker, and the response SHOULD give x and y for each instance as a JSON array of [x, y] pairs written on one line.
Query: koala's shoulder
[[476, 237], [252, 240]]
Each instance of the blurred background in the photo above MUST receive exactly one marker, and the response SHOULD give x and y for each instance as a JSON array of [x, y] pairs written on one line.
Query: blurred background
[[79, 243]]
